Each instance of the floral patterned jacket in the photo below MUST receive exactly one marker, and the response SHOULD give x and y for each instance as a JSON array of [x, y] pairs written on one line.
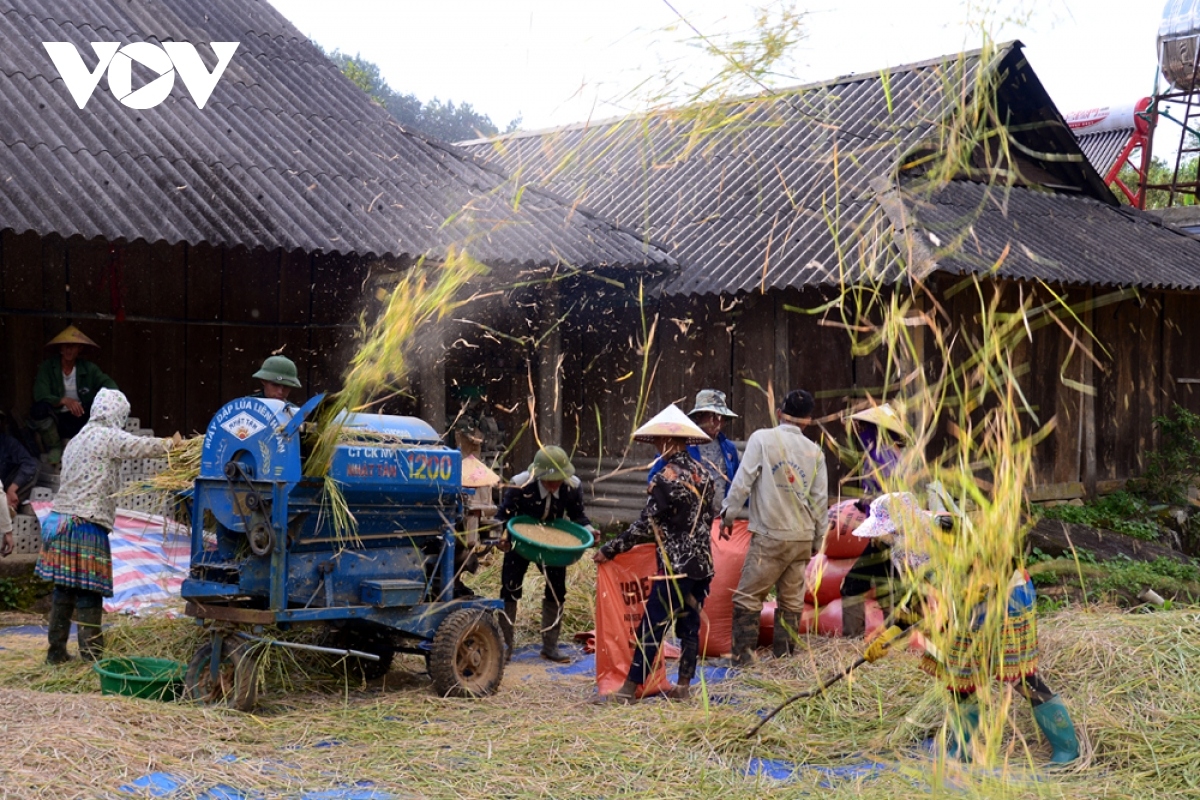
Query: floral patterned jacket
[[91, 461], [680, 510]]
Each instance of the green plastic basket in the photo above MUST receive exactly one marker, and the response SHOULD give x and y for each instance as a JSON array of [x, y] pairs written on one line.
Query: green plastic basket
[[137, 676], [547, 554]]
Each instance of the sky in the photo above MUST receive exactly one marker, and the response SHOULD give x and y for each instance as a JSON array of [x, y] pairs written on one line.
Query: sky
[[554, 62]]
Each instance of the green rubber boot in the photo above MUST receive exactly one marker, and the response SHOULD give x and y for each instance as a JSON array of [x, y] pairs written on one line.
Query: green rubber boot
[[1054, 720], [964, 721], [551, 625]]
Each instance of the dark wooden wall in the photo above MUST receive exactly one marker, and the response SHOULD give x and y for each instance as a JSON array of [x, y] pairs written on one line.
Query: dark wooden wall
[[1142, 345], [198, 320], [744, 348]]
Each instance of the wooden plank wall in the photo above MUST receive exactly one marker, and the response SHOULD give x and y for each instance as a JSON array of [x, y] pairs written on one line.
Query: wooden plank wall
[[1143, 349], [706, 342], [199, 320]]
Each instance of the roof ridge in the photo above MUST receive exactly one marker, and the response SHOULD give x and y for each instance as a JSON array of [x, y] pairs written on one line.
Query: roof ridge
[[80, 26], [233, 165], [998, 51]]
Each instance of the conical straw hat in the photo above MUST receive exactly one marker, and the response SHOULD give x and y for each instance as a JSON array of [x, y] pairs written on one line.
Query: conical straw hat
[[882, 416], [671, 423], [72, 335], [475, 474]]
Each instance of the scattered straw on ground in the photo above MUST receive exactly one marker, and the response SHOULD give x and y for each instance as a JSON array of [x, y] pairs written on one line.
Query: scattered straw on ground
[[1129, 680]]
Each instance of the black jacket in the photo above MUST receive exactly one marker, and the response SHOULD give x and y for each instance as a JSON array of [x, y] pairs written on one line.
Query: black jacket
[[16, 464], [528, 501]]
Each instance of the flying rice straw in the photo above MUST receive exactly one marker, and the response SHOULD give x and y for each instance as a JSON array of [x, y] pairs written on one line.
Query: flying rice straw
[[380, 366]]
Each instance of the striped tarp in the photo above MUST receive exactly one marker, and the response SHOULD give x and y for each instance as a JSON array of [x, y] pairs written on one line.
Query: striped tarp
[[150, 557]]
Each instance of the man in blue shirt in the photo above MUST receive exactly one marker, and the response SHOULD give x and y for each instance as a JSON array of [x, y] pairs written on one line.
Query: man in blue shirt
[[720, 456]]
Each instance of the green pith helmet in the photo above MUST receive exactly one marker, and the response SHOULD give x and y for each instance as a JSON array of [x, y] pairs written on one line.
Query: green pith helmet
[[279, 369], [551, 464]]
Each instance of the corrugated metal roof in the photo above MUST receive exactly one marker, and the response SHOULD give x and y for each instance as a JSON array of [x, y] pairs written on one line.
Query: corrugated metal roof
[[1102, 149], [770, 191], [287, 153], [749, 205], [1053, 237]]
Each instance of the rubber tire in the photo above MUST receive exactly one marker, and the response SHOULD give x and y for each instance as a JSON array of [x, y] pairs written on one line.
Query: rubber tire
[[467, 657], [369, 641], [237, 683]]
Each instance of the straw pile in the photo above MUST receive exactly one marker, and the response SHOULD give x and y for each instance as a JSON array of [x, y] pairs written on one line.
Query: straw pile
[[1127, 678]]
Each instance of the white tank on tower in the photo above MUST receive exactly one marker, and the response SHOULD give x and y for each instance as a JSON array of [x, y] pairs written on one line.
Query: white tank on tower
[[1178, 39]]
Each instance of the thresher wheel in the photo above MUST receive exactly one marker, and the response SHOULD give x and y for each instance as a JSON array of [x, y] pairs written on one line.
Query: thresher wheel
[[236, 683], [467, 657]]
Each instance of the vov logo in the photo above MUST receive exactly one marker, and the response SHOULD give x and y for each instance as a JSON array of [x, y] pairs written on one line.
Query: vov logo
[[164, 60]]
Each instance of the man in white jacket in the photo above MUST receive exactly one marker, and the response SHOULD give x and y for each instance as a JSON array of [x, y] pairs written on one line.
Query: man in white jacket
[[783, 473]]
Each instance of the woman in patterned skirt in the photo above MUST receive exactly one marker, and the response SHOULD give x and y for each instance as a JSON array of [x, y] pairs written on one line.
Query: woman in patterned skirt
[[75, 553], [961, 669]]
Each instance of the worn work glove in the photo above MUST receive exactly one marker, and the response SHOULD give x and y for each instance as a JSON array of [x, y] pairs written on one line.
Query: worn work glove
[[878, 647]]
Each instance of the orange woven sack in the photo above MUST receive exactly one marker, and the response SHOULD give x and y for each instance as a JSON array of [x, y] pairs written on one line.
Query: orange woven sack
[[622, 586]]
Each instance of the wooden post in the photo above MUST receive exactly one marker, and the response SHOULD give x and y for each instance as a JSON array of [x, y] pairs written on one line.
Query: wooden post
[[1089, 403], [432, 374], [549, 373], [782, 372]]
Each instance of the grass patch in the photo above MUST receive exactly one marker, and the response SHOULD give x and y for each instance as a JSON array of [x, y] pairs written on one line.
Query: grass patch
[[21, 592], [1121, 512], [1121, 580]]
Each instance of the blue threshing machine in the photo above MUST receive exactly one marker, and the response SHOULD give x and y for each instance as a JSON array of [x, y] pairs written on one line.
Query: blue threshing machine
[[277, 558]]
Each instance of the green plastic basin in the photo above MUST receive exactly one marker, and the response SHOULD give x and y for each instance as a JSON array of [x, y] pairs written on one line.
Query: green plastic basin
[[547, 554], [137, 676]]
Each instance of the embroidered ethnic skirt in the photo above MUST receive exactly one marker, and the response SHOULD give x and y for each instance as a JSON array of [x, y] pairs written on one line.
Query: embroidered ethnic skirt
[[76, 555], [962, 669]]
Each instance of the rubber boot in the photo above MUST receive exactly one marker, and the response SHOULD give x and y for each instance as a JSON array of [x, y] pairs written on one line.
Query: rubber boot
[[507, 618], [60, 629], [745, 636], [688, 653], [88, 632], [551, 625], [47, 432], [854, 617], [964, 721], [1054, 720], [787, 629]]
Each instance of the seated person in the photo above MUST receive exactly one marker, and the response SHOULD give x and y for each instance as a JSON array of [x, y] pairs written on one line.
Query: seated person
[[278, 376], [64, 389], [18, 471]]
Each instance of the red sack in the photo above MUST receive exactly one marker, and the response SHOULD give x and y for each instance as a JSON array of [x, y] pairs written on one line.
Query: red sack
[[840, 541], [828, 622], [766, 624], [622, 587], [716, 623], [823, 578]]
